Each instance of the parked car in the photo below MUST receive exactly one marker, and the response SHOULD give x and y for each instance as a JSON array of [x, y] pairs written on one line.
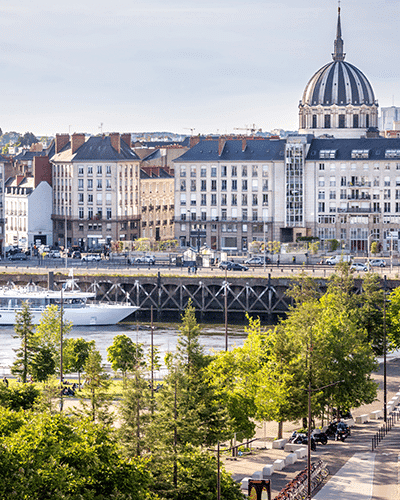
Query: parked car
[[335, 259], [377, 263], [145, 259], [18, 256], [257, 261], [76, 254], [232, 266], [55, 254], [358, 266], [91, 257]]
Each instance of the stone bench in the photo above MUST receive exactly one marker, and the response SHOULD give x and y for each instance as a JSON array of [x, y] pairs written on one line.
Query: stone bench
[[279, 444], [290, 447], [245, 483], [361, 419], [375, 415], [291, 459], [268, 470], [279, 464], [257, 475], [301, 453]]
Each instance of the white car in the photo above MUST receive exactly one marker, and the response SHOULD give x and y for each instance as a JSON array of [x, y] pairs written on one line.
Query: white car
[[146, 259], [358, 266], [377, 263], [91, 257], [55, 254]]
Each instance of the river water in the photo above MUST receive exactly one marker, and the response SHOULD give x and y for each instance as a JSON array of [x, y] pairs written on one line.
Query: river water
[[165, 337]]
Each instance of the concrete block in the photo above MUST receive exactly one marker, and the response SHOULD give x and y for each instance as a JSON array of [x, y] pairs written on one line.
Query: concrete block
[[376, 414], [291, 459], [257, 475], [245, 483], [268, 470], [290, 447], [396, 399], [301, 453], [361, 419], [279, 464], [349, 421], [279, 444]]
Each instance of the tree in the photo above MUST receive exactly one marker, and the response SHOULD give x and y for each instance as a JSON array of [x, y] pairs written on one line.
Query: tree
[[48, 332], [124, 354], [43, 364], [19, 396], [95, 400], [56, 457], [374, 247], [393, 319], [76, 352], [24, 330], [28, 139]]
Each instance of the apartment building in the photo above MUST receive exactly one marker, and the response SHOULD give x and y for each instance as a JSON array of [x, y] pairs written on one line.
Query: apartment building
[[95, 190]]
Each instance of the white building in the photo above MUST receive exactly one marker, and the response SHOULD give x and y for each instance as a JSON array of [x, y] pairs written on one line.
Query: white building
[[28, 212]]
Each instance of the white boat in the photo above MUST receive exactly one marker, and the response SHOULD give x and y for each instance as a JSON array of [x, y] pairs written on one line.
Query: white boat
[[76, 307]]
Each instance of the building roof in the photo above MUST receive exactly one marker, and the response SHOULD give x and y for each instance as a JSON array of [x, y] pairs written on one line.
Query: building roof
[[378, 149], [235, 150], [97, 148], [338, 82], [27, 155]]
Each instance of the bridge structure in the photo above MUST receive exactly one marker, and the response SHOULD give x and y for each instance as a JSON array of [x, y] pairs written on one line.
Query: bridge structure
[[168, 295]]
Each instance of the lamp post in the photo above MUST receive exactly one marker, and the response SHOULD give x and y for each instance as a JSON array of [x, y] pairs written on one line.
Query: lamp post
[[384, 352]]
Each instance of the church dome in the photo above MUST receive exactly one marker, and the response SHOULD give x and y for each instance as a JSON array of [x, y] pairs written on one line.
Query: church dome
[[338, 100], [338, 83]]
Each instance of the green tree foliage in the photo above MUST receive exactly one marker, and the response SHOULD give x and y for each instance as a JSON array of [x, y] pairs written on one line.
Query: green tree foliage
[[28, 139], [333, 245], [54, 457], [24, 330], [124, 354], [76, 352], [374, 247], [48, 332], [95, 399], [18, 396], [393, 319], [43, 364]]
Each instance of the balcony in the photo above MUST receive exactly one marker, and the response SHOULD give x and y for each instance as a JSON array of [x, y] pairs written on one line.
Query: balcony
[[358, 210]]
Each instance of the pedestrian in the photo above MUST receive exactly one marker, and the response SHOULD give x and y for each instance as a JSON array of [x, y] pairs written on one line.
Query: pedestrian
[[5, 381]]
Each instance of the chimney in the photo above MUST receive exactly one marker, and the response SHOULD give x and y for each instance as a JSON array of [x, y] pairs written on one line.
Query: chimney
[[243, 144], [116, 141], [61, 141], [20, 178], [42, 170], [221, 145], [77, 140], [127, 138], [194, 140]]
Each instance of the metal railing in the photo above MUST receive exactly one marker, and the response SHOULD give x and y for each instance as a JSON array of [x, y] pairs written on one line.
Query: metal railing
[[384, 430]]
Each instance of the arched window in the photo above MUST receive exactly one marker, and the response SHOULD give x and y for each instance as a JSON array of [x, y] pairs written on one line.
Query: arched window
[[355, 121], [314, 121], [327, 121], [342, 121]]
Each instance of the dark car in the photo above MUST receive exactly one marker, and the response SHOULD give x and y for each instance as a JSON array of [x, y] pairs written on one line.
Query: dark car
[[18, 256], [232, 266], [76, 254]]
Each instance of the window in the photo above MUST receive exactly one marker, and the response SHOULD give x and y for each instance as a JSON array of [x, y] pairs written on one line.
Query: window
[[90, 184], [213, 185], [254, 171], [332, 181], [213, 199], [332, 195], [314, 121], [255, 215], [213, 171], [386, 181], [203, 172], [386, 194], [203, 200], [343, 181], [80, 213], [99, 184], [360, 153], [108, 183], [80, 184], [108, 213], [234, 170], [355, 121], [223, 185], [224, 171], [99, 170], [265, 200], [80, 197], [244, 214], [234, 199], [90, 170], [108, 198], [183, 185], [193, 171], [80, 170], [224, 214], [392, 153], [386, 207], [192, 185], [244, 200], [203, 185], [223, 199], [321, 181], [183, 171], [80, 227], [321, 195], [244, 184], [265, 184], [90, 198], [108, 169], [327, 121], [234, 184], [254, 185], [183, 198], [342, 121], [254, 200], [321, 165], [244, 170]]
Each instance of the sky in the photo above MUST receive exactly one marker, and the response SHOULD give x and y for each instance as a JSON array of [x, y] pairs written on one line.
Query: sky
[[209, 66]]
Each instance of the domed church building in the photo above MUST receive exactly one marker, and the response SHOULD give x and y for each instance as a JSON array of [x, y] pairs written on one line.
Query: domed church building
[[338, 100]]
